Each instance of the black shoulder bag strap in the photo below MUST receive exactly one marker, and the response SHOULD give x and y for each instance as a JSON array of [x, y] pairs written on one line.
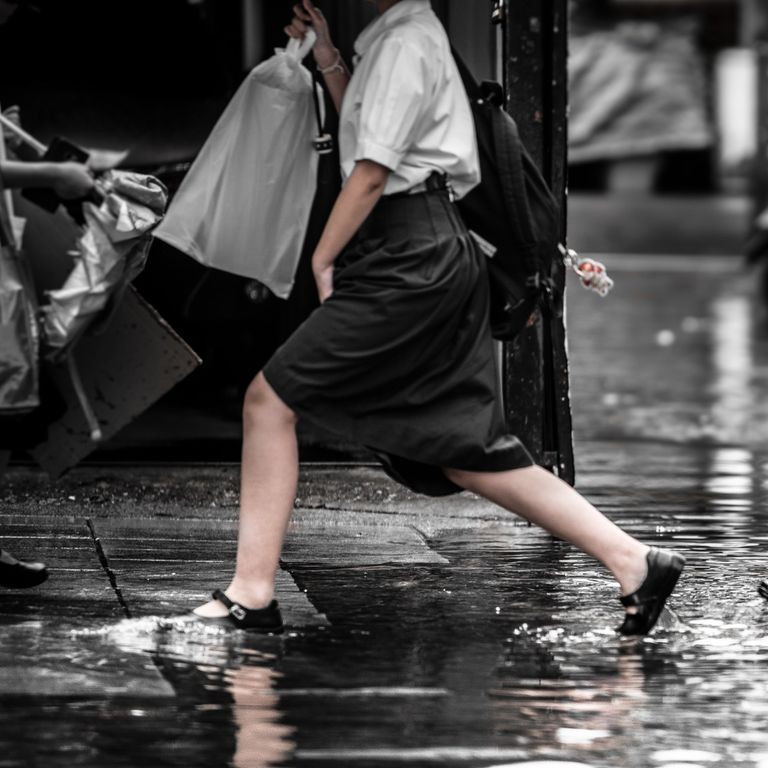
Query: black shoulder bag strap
[[323, 143]]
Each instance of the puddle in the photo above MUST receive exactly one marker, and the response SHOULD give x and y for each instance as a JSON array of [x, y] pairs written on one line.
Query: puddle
[[505, 654]]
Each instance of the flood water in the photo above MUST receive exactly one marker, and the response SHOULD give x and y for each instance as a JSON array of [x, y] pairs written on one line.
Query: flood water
[[503, 650]]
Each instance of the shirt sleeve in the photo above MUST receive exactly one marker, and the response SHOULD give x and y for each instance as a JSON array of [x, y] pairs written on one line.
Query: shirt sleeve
[[393, 102]]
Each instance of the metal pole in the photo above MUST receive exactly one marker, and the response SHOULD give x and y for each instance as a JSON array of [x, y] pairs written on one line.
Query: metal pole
[[760, 176], [755, 33], [253, 33], [536, 378], [8, 198]]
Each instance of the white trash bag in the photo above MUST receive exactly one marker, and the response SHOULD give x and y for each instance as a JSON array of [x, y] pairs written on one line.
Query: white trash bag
[[244, 205]]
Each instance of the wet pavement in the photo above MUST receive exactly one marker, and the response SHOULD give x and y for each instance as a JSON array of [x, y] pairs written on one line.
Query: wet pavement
[[426, 632]]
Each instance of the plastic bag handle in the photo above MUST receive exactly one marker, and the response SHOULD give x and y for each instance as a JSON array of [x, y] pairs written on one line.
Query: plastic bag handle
[[298, 49]]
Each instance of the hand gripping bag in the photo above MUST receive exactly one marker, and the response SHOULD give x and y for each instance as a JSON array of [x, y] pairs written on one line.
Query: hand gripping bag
[[244, 205]]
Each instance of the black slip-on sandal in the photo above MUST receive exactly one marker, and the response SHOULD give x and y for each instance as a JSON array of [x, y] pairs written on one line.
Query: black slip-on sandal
[[664, 569], [18, 574], [266, 620]]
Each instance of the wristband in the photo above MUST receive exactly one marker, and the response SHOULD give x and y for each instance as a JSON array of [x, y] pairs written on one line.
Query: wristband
[[337, 65]]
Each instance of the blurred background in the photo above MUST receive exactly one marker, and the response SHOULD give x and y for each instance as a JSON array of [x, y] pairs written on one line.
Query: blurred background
[[667, 101], [668, 149]]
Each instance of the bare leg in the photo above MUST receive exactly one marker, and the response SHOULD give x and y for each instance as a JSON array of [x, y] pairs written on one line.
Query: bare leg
[[269, 474], [542, 498]]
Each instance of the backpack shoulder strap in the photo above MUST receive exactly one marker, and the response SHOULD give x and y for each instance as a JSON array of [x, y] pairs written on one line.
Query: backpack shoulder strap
[[488, 99], [509, 155], [471, 85]]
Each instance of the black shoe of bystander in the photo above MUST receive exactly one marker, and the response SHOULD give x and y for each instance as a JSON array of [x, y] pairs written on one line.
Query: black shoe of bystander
[[18, 574]]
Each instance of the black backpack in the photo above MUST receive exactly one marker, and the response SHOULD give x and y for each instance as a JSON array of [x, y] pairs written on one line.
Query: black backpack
[[512, 213]]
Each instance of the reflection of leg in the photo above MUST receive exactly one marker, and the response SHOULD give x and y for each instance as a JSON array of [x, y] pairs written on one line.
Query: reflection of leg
[[542, 498], [267, 491], [262, 740]]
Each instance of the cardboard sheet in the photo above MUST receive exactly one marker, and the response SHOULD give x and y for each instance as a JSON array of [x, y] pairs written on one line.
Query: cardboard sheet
[[125, 369]]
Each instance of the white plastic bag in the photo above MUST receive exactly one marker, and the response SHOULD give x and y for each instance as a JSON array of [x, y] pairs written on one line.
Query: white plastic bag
[[244, 205], [109, 253]]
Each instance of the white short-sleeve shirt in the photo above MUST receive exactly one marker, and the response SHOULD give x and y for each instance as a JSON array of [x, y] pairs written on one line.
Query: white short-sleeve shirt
[[405, 106]]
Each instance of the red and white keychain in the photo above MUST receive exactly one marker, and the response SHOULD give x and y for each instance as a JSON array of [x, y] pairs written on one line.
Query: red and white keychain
[[592, 274]]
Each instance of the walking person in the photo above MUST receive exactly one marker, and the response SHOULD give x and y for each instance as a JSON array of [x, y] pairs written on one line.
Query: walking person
[[69, 181], [399, 355]]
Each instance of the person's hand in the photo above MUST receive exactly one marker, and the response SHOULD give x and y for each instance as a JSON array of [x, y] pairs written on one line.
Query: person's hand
[[72, 181], [14, 115], [324, 281], [304, 16]]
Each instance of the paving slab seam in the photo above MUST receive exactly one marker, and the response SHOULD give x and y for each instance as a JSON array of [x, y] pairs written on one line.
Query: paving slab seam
[[107, 569], [329, 508], [501, 516], [390, 513]]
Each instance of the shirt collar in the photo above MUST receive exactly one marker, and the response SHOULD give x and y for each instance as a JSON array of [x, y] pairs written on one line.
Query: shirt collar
[[398, 13]]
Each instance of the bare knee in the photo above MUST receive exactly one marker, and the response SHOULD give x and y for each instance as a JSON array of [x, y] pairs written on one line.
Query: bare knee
[[261, 403]]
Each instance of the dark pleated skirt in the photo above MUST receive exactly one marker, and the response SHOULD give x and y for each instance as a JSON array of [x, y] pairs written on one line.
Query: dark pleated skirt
[[400, 357]]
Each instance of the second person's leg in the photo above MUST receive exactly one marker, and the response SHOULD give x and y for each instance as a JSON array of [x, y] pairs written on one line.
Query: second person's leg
[[543, 499]]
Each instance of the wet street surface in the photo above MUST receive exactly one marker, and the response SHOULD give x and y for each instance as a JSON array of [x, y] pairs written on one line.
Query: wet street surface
[[427, 632]]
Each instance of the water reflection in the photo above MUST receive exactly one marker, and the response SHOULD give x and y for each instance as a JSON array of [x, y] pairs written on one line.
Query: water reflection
[[732, 366], [580, 695], [708, 386], [230, 679], [505, 652], [262, 740]]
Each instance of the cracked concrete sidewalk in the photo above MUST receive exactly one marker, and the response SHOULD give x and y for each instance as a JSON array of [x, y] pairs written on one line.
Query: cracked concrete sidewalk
[[131, 542]]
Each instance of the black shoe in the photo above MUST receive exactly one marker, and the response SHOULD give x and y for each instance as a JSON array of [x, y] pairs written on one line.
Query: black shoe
[[664, 569], [17, 574], [267, 620], [763, 588]]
